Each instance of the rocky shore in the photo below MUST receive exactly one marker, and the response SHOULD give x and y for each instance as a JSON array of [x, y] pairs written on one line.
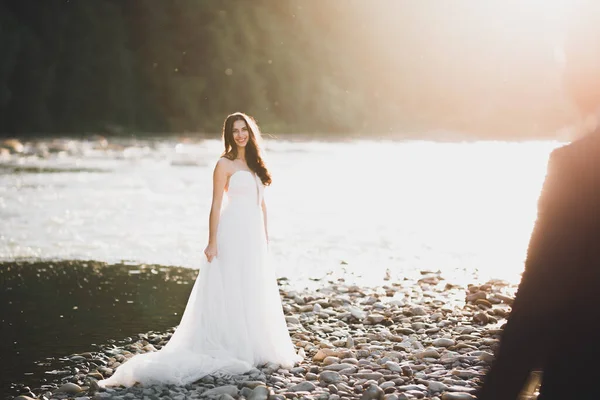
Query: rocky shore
[[422, 339]]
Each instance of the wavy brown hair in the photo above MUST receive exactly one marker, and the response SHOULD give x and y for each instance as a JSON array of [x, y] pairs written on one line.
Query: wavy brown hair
[[253, 156]]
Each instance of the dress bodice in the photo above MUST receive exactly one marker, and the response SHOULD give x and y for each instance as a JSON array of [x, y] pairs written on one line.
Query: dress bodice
[[245, 187]]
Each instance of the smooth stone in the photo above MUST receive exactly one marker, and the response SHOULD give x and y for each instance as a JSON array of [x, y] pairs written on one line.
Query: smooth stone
[[393, 366], [102, 396], [482, 318], [457, 396], [460, 388], [357, 313], [349, 342], [406, 388], [96, 375], [476, 296], [224, 396], [483, 302], [388, 384], [330, 377], [486, 357], [373, 392], [69, 388], [417, 310], [338, 367], [292, 320], [428, 353], [231, 390], [245, 392], [311, 376], [348, 371], [418, 326], [252, 384], [465, 373], [303, 387], [435, 386], [329, 360], [415, 393], [369, 375], [443, 342], [344, 354], [375, 318], [259, 393], [323, 353]]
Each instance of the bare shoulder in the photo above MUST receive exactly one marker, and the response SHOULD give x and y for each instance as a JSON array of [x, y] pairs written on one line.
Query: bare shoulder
[[224, 166]]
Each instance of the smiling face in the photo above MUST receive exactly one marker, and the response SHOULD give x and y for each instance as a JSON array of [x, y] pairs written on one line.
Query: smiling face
[[240, 133]]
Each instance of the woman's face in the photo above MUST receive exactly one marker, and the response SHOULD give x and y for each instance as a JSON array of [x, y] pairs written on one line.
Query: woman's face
[[240, 133]]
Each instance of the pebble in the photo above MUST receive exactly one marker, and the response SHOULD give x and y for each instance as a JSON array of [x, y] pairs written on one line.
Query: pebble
[[397, 342], [457, 396], [303, 387], [443, 342], [259, 393], [231, 390], [330, 377], [69, 388]]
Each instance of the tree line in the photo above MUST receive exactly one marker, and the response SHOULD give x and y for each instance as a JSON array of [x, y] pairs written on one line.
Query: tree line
[[308, 66]]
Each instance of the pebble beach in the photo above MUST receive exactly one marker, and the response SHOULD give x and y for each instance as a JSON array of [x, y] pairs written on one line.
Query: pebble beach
[[413, 339]]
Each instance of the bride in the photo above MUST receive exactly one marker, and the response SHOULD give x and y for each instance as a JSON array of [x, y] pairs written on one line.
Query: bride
[[233, 320]]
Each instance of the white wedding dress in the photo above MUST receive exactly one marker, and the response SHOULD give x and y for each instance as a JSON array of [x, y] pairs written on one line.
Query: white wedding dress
[[233, 320]]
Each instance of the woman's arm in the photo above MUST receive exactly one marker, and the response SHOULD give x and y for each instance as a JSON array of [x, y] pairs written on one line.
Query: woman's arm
[[264, 210], [219, 182]]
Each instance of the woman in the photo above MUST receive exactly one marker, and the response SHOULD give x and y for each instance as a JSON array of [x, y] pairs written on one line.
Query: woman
[[233, 320]]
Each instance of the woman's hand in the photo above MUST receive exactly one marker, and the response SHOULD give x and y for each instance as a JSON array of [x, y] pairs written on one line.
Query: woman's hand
[[210, 252]]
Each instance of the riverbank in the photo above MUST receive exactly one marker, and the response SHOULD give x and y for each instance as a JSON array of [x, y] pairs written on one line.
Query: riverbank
[[424, 338]]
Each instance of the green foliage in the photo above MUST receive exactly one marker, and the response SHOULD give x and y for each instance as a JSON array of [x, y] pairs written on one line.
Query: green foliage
[[144, 66]]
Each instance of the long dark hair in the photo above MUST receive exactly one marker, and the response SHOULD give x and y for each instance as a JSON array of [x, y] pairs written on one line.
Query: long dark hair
[[253, 157]]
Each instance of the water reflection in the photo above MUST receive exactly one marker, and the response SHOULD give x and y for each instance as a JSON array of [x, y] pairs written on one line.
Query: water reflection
[[462, 208], [54, 309]]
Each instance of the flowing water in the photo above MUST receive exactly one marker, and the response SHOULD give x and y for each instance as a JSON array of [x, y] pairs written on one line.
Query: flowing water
[[355, 209]]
